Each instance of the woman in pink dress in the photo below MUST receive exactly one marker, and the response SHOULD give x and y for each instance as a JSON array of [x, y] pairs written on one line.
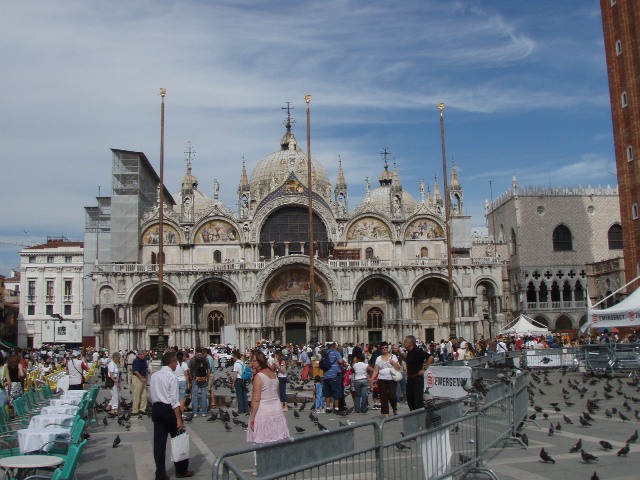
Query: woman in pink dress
[[267, 422]]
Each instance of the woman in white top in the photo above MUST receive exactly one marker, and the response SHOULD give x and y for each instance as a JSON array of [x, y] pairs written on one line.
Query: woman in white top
[[182, 372], [386, 385], [113, 372], [360, 371]]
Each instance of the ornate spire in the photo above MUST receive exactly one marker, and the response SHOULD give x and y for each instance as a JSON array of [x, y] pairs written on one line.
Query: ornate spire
[[340, 182], [189, 181], [436, 192], [385, 178], [395, 180], [288, 140], [244, 182], [454, 184]]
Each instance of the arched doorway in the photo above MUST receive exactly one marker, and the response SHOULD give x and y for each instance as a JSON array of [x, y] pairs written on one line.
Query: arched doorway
[[213, 301], [564, 323], [215, 322], [295, 320], [375, 321], [145, 305], [107, 321], [432, 300]]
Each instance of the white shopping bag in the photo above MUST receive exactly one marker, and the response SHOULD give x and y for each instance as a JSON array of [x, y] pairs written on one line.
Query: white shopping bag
[[180, 447]]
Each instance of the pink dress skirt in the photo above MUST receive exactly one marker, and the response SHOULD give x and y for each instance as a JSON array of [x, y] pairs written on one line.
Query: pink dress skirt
[[270, 422]]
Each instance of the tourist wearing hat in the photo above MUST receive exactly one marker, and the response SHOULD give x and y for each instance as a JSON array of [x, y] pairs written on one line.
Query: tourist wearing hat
[[76, 368]]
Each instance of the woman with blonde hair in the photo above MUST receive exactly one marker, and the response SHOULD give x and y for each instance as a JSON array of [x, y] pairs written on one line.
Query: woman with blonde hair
[[267, 422]]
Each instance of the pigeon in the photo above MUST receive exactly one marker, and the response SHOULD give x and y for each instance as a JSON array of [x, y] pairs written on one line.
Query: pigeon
[[213, 417], [576, 447], [296, 414], [537, 409], [587, 457], [304, 404], [300, 429], [532, 416], [463, 458], [605, 445], [623, 417], [321, 427], [545, 457], [608, 414], [558, 427], [567, 419], [104, 421], [551, 431], [245, 425], [227, 427], [595, 476], [402, 447], [234, 413], [116, 442], [623, 451], [583, 422], [633, 438], [525, 439]]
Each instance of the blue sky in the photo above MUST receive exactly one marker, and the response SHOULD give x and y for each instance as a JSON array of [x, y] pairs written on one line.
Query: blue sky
[[524, 83]]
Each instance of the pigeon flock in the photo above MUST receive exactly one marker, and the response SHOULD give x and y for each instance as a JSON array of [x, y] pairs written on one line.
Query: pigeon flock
[[587, 401]]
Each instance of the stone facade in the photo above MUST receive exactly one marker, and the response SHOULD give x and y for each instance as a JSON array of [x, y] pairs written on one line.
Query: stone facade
[[239, 276], [550, 235]]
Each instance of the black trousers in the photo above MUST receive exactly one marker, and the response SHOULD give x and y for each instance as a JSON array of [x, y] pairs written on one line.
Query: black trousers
[[415, 391], [75, 387], [164, 423]]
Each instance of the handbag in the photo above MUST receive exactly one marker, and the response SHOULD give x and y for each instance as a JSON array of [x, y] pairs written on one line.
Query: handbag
[[396, 375], [109, 382], [180, 447]]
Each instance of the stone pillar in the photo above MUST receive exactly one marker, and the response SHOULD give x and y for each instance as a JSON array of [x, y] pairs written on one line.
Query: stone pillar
[[286, 248]]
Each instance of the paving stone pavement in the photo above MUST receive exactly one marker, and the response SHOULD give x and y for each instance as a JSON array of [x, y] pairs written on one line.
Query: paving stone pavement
[[134, 457]]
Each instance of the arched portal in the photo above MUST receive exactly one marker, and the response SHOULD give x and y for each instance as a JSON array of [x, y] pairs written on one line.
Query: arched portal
[[432, 306], [377, 303], [564, 323], [107, 321], [295, 320], [145, 304], [213, 302]]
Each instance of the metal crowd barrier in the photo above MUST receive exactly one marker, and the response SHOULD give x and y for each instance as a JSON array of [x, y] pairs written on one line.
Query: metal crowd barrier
[[552, 358], [609, 358], [446, 439]]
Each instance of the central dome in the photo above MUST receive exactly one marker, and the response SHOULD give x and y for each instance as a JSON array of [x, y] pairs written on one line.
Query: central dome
[[272, 171]]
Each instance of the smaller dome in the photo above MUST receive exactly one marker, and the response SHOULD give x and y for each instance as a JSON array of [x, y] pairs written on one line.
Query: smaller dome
[[381, 200], [201, 202]]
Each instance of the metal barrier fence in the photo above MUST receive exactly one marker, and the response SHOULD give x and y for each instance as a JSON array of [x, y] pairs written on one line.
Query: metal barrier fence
[[610, 357], [446, 438]]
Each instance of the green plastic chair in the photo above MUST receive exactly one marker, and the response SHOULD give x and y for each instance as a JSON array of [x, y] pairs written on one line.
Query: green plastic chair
[[68, 471], [62, 446]]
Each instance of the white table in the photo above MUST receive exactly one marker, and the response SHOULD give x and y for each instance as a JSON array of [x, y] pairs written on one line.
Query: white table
[[62, 382], [58, 402], [33, 439], [24, 463], [57, 419], [60, 410], [75, 394]]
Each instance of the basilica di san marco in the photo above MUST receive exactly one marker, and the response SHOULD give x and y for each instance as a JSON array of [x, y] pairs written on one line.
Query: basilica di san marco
[[241, 275]]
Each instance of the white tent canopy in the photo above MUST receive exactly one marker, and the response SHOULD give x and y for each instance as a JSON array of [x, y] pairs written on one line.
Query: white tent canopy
[[624, 314], [524, 325]]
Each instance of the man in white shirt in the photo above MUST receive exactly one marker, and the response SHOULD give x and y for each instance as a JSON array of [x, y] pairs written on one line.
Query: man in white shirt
[[166, 415]]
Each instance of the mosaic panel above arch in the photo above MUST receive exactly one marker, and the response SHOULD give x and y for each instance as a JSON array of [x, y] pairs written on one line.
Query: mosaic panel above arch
[[293, 283], [369, 228], [151, 235], [423, 229], [216, 231]]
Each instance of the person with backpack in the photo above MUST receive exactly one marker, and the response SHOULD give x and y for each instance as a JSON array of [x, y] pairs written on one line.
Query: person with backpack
[[331, 363], [200, 371], [239, 384]]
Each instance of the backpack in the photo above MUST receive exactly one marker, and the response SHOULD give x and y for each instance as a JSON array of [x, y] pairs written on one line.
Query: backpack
[[325, 363], [246, 372], [201, 369]]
